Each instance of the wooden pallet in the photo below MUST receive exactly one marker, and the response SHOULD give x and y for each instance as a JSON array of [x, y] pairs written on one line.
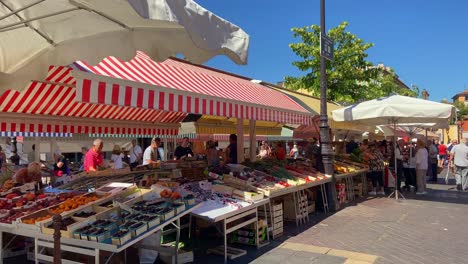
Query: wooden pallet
[[232, 253]]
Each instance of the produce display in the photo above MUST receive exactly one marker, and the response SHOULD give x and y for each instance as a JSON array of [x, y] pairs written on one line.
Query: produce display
[[17, 205], [138, 216], [342, 167], [66, 205]]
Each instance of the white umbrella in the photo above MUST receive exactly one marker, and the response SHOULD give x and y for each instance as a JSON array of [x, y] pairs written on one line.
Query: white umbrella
[[416, 131], [35, 34], [393, 110]]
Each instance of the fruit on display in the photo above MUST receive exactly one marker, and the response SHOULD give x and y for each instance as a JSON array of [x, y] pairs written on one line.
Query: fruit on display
[[11, 196], [8, 184], [176, 195], [343, 167], [64, 223], [30, 196], [73, 203], [166, 193], [32, 221]]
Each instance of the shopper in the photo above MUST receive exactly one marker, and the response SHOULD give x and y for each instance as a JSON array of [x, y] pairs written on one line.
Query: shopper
[[351, 146], [183, 150], [421, 167], [294, 153], [280, 152], [459, 158], [442, 154], [449, 147], [231, 150], [136, 154], [263, 153], [212, 154], [410, 172], [94, 158], [161, 155], [2, 160], [29, 174], [433, 151], [376, 168], [84, 150], [117, 157], [399, 164], [61, 169], [150, 155]]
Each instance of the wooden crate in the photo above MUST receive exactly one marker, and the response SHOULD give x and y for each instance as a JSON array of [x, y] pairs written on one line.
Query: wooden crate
[[277, 233], [193, 174], [292, 214]]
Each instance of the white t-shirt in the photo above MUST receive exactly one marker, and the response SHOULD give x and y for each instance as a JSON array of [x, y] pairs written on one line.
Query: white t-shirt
[[134, 153], [460, 152], [147, 155], [117, 159]]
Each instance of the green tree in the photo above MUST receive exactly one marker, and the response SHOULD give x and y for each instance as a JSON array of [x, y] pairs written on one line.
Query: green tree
[[350, 76], [445, 101], [415, 90], [462, 110]]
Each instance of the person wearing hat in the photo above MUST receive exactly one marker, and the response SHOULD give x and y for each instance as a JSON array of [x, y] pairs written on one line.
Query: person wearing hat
[[61, 169], [93, 157], [151, 153], [116, 157]]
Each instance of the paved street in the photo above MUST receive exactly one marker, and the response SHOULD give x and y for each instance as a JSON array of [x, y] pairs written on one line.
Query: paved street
[[378, 230]]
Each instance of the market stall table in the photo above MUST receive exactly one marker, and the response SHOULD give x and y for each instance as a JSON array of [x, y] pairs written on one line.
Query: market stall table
[[91, 248], [215, 212]]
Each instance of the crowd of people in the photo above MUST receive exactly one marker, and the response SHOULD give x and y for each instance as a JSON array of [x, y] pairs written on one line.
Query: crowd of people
[[416, 163]]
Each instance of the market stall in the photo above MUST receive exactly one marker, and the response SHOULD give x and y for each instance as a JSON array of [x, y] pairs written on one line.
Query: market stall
[[137, 102], [396, 110], [112, 218]]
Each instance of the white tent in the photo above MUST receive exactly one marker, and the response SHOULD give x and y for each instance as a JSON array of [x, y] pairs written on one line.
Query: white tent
[[394, 110], [38, 33]]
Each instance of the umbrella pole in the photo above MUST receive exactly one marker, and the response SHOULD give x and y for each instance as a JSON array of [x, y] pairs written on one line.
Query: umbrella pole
[[396, 192]]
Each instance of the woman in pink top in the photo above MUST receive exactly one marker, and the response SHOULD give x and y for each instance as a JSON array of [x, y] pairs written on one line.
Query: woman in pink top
[[93, 157]]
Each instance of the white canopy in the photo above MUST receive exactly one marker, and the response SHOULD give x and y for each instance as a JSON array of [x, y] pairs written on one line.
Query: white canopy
[[395, 109], [407, 131], [35, 34]]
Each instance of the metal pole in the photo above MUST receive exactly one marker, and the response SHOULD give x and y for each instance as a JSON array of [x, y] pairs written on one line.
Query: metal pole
[[327, 152]]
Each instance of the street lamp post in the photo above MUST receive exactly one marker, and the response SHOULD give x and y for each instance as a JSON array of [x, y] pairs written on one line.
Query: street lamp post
[[327, 151]]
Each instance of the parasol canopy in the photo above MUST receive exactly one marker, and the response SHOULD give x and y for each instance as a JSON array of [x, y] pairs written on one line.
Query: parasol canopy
[[35, 34], [395, 109]]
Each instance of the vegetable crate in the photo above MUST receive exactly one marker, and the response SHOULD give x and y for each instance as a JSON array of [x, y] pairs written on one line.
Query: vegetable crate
[[275, 215], [296, 207]]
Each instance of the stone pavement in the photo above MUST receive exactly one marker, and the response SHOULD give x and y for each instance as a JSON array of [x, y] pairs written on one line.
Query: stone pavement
[[420, 229]]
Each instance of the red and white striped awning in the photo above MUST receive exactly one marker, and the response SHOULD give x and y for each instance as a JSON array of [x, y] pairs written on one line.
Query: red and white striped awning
[[178, 86]]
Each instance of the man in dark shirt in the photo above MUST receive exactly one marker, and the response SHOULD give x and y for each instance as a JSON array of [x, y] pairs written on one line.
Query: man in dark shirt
[[183, 150], [351, 146], [231, 150]]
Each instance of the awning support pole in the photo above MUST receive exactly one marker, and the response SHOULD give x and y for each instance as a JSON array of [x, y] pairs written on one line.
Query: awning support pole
[[37, 147], [252, 139], [240, 140]]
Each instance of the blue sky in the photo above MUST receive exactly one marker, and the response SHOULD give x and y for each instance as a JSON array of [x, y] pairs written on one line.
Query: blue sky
[[426, 42]]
